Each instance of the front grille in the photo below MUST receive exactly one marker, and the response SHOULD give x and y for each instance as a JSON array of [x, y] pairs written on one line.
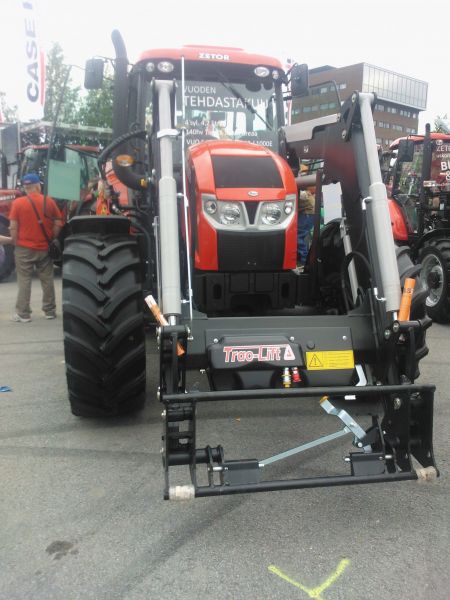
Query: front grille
[[246, 172], [251, 208], [250, 251]]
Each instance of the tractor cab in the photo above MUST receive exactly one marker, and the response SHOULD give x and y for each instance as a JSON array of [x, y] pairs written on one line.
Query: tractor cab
[[223, 109], [419, 184], [228, 94]]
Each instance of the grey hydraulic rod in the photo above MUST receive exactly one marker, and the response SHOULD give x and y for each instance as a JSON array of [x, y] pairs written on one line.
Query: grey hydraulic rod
[[185, 198], [168, 210], [322, 440], [351, 267], [378, 211]]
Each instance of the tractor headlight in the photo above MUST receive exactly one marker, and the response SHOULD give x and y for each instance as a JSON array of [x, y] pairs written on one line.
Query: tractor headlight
[[165, 66], [230, 214], [289, 204], [271, 214], [211, 207], [288, 207], [261, 71]]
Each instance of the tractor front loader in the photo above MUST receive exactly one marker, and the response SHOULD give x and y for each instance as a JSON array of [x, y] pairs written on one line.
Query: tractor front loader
[[210, 234]]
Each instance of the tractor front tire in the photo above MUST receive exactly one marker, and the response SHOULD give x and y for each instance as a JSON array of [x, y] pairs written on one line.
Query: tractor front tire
[[435, 259], [104, 340]]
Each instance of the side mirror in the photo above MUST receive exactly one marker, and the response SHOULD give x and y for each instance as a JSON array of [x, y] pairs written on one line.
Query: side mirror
[[405, 151], [93, 75], [299, 81]]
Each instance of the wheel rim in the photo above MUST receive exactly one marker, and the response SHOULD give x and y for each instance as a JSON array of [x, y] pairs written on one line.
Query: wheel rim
[[433, 276]]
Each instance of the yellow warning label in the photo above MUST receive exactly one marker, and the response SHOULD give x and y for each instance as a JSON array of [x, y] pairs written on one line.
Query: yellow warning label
[[330, 359]]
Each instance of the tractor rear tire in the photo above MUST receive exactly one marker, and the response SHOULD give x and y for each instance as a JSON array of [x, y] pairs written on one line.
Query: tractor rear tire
[[104, 340], [435, 259], [8, 264], [407, 268]]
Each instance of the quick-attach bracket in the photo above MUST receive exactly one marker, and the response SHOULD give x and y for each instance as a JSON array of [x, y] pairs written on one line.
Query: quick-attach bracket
[[349, 422], [249, 471], [385, 453]]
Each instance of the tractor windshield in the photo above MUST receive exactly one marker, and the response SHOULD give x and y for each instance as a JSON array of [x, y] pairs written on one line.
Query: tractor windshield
[[221, 110], [410, 174], [34, 159], [218, 106]]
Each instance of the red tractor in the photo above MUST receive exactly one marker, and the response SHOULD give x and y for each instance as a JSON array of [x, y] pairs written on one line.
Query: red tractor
[[18, 156], [417, 173], [209, 234]]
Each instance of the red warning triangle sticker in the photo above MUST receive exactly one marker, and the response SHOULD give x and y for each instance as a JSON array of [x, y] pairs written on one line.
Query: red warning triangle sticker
[[289, 353], [315, 361]]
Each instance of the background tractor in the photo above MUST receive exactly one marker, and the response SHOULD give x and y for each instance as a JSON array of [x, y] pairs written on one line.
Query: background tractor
[[417, 173], [206, 230], [25, 149]]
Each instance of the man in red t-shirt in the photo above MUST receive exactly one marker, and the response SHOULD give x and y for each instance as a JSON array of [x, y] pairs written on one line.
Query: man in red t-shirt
[[31, 246]]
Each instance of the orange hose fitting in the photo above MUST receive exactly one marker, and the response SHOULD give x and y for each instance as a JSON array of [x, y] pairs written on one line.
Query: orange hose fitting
[[405, 304], [151, 303]]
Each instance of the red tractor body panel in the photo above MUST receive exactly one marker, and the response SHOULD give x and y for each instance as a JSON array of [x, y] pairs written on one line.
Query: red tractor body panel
[[207, 179], [6, 198], [398, 222]]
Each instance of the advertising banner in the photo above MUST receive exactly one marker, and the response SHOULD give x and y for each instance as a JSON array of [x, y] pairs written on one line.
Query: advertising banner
[[30, 63]]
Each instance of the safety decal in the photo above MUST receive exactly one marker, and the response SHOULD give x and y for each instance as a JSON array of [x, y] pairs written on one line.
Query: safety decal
[[330, 359]]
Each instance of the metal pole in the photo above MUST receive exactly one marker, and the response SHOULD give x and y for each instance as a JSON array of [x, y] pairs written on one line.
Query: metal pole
[[185, 198], [168, 209]]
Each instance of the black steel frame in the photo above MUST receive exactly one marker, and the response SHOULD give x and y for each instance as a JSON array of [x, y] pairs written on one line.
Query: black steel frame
[[405, 432]]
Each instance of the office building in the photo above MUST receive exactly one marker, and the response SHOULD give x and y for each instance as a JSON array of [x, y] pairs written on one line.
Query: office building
[[400, 98]]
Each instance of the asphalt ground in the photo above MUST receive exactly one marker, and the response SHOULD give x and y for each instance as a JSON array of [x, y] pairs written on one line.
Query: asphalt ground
[[82, 514]]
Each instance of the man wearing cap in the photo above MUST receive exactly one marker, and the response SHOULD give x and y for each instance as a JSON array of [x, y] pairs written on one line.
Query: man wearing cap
[[31, 246], [306, 209]]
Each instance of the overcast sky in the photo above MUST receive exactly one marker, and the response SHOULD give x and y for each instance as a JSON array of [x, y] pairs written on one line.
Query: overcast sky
[[404, 36]]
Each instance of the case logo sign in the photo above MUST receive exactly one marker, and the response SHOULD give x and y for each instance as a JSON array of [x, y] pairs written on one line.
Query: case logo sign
[[258, 353]]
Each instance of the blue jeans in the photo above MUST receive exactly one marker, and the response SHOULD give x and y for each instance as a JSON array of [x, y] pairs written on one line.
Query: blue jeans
[[305, 224]]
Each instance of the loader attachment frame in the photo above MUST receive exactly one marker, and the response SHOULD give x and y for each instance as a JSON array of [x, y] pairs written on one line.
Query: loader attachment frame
[[404, 433], [401, 415]]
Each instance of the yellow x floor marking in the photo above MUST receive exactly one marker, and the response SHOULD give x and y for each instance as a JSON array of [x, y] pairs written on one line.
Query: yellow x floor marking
[[314, 593]]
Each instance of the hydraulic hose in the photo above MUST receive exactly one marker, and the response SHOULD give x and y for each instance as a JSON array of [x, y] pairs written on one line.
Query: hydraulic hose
[[128, 177]]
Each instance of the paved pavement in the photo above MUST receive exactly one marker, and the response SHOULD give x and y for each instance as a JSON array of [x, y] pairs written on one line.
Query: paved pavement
[[82, 515]]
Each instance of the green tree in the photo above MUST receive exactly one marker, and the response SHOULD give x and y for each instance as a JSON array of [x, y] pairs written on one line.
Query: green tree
[[7, 113], [439, 126], [56, 73]]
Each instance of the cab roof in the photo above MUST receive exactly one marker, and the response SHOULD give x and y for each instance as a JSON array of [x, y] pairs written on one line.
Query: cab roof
[[217, 54], [419, 138]]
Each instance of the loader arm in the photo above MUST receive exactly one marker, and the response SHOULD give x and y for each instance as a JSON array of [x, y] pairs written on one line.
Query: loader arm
[[347, 145]]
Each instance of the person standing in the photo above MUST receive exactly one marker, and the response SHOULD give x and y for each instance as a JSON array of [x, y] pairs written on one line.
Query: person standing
[[29, 213], [306, 209]]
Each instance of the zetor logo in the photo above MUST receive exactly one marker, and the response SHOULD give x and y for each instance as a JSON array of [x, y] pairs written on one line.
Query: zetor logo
[[258, 353], [213, 56]]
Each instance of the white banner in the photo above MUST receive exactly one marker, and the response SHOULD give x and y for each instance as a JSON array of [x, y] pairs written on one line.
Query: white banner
[[31, 64]]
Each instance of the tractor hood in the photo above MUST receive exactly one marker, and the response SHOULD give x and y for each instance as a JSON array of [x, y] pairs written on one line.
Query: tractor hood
[[240, 170]]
